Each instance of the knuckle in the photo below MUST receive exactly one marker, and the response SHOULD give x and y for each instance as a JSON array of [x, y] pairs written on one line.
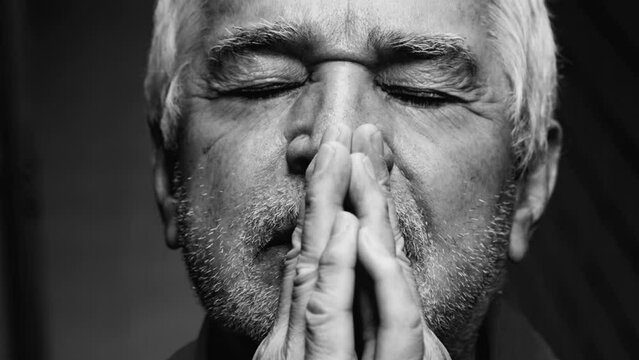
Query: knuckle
[[328, 261], [305, 273], [323, 309], [318, 195], [313, 196], [406, 322], [317, 314], [386, 265], [409, 320], [332, 258], [414, 324]]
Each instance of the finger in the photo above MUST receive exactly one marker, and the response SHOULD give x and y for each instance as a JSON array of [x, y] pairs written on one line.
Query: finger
[[370, 199], [329, 313], [279, 331], [327, 184], [340, 133], [399, 334], [398, 311], [368, 140]]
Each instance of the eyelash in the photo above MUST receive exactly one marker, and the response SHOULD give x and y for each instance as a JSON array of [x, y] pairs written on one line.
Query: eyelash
[[413, 97], [418, 97], [261, 92]]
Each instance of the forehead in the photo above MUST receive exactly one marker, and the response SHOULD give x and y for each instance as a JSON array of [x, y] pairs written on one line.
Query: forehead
[[345, 23]]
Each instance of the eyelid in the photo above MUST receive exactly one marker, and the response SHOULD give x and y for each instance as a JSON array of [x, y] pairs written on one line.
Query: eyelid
[[262, 90], [255, 70], [419, 97], [427, 92], [228, 83]]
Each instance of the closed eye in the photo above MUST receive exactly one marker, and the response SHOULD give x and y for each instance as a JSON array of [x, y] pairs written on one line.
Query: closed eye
[[262, 91], [420, 97]]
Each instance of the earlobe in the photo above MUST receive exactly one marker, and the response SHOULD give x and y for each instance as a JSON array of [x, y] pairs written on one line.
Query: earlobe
[[166, 201], [537, 186]]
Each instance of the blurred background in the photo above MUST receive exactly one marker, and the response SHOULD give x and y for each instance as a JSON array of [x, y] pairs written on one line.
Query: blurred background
[[86, 275]]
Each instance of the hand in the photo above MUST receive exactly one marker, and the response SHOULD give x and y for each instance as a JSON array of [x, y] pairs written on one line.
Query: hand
[[400, 332], [315, 314], [318, 283]]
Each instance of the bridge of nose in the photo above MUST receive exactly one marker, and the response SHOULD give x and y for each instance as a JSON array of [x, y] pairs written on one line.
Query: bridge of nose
[[338, 92]]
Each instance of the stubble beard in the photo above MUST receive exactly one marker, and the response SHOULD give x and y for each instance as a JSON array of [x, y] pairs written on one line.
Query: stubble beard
[[453, 282]]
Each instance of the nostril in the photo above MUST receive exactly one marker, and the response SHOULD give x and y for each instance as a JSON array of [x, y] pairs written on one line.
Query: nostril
[[299, 154]]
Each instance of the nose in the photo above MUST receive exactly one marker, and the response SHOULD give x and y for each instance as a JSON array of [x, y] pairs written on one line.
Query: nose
[[341, 94]]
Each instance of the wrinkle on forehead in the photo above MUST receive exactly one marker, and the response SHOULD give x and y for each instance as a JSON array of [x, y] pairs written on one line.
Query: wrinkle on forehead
[[344, 20], [342, 27]]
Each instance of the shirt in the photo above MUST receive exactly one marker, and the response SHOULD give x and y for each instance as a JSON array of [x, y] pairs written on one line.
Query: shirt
[[505, 335]]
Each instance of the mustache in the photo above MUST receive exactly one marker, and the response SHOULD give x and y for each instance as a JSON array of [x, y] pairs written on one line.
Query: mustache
[[272, 213], [269, 211]]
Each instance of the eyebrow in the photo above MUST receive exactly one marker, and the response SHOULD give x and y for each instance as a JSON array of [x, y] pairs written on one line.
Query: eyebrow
[[448, 52], [427, 47], [264, 36]]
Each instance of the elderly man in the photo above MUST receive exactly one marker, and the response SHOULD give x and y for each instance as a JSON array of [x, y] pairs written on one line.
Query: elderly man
[[347, 179]]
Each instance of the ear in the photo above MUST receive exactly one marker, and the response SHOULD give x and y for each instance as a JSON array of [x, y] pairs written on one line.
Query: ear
[[167, 203], [536, 187]]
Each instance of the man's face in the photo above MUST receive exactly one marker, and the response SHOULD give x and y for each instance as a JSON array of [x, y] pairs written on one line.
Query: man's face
[[421, 71]]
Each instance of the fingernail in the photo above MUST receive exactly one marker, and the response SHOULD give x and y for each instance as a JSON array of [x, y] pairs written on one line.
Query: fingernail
[[331, 134], [368, 165], [324, 157]]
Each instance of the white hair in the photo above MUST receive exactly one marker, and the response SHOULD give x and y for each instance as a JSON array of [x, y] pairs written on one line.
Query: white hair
[[520, 34], [522, 38], [175, 31]]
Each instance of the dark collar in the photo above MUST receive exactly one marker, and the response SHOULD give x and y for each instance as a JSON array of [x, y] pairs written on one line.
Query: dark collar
[[505, 335]]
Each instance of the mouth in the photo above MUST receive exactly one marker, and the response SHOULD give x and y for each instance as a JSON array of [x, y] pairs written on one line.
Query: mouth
[[281, 237], [272, 254], [274, 225]]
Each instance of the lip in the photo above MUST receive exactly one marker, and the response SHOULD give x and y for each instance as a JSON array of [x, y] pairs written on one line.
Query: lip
[[274, 251], [282, 237]]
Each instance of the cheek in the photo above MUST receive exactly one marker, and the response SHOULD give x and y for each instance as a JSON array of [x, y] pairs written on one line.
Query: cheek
[[456, 167], [226, 152]]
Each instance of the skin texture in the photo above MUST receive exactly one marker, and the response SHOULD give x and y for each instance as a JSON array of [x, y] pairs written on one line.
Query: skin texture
[[319, 279], [242, 179]]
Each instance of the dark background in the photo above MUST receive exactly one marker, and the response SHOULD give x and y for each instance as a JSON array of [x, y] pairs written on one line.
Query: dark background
[[85, 274]]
